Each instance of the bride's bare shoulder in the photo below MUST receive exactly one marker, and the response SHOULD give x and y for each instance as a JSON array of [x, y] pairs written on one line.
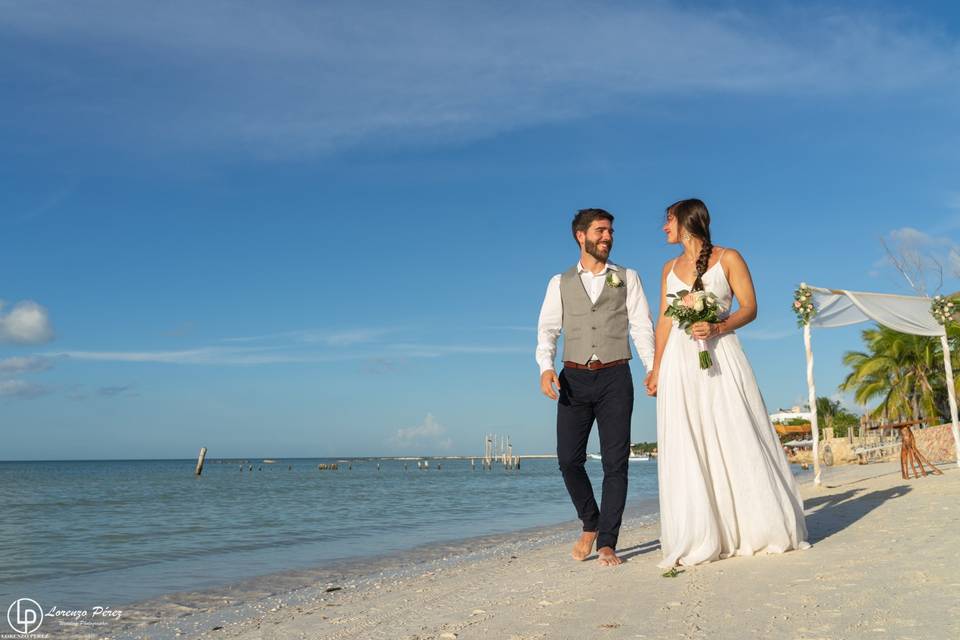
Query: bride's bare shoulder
[[729, 255]]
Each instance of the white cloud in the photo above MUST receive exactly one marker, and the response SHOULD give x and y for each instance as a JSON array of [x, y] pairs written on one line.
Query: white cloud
[[292, 77], [297, 351], [202, 356], [21, 389], [332, 338], [925, 259], [25, 364], [430, 434], [916, 239], [25, 323]]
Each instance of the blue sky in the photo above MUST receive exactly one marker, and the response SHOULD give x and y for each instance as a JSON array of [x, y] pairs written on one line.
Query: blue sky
[[326, 229]]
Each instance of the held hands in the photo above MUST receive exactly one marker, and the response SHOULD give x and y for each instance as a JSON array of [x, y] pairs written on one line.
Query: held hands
[[650, 382], [549, 383]]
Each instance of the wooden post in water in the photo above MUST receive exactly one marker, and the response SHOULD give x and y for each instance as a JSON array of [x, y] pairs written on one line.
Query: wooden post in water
[[203, 454]]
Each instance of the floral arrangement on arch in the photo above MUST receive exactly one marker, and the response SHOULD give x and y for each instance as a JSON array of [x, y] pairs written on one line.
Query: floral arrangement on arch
[[943, 309], [803, 304]]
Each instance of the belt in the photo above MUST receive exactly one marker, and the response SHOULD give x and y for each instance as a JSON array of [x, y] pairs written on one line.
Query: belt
[[593, 365]]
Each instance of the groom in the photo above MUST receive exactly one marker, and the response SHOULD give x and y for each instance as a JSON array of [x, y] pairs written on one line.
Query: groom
[[595, 304]]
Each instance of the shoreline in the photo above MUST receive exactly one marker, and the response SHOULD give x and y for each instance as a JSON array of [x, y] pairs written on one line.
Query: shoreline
[[881, 566], [169, 615]]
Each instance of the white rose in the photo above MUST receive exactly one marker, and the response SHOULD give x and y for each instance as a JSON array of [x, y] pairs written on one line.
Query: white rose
[[698, 305], [615, 280], [803, 285]]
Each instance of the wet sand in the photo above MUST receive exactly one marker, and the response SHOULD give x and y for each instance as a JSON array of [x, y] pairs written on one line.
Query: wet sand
[[885, 564]]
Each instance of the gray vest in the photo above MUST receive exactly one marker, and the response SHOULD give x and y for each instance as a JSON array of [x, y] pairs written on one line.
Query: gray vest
[[589, 328]]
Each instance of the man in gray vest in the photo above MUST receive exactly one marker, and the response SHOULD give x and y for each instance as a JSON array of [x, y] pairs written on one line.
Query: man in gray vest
[[596, 305]]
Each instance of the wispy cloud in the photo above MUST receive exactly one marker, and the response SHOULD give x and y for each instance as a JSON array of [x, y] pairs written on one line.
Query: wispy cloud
[[293, 77], [199, 356], [429, 434], [286, 354], [332, 338], [25, 364], [21, 389], [923, 259], [27, 322]]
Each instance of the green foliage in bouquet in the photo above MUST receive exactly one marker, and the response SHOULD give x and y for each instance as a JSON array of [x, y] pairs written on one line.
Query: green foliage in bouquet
[[691, 307]]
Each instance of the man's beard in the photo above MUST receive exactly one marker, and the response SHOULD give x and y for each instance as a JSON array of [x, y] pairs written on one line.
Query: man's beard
[[593, 250]]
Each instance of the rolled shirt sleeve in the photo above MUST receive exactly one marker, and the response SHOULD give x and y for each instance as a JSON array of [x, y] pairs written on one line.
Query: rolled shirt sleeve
[[549, 325], [638, 315]]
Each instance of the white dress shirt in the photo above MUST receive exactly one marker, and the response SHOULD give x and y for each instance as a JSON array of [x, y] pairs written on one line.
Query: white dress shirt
[[638, 314]]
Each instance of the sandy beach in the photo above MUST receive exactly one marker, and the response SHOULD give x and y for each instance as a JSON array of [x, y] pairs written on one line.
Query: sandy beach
[[884, 564]]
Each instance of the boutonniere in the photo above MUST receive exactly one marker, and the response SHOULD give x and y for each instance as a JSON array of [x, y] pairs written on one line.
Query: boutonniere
[[613, 280]]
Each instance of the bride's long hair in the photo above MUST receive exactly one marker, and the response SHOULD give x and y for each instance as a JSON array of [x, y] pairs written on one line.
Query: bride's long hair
[[692, 215]]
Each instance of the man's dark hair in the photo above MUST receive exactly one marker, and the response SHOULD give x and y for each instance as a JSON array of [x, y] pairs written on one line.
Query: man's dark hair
[[585, 217]]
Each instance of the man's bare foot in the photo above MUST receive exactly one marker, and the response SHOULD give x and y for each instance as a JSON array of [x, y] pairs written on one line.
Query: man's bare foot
[[584, 546], [607, 557]]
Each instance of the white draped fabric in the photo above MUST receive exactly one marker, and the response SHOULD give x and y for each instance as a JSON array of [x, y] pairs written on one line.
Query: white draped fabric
[[906, 314]]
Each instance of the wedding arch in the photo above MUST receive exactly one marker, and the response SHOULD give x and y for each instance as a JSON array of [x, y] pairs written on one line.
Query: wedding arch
[[827, 308]]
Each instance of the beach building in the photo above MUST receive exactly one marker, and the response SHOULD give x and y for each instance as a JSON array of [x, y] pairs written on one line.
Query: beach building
[[796, 412]]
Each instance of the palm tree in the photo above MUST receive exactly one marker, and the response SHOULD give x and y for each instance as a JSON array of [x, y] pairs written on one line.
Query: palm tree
[[827, 410], [903, 371], [831, 415]]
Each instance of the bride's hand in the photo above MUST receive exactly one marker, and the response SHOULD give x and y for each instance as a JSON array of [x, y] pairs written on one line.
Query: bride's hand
[[701, 330]]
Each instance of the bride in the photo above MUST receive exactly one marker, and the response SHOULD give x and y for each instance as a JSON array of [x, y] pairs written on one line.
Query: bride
[[725, 486]]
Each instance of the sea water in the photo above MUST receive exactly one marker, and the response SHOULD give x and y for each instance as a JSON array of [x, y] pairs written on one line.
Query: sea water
[[105, 533]]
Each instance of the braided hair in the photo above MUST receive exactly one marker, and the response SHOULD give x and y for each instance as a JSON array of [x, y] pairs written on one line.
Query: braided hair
[[693, 216]]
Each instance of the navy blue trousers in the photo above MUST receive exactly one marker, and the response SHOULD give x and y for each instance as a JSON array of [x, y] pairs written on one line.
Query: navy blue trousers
[[604, 395]]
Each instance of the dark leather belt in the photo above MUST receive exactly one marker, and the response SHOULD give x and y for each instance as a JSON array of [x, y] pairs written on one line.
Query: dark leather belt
[[593, 365]]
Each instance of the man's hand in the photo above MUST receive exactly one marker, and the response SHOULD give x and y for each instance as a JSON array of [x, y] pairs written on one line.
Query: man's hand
[[549, 384]]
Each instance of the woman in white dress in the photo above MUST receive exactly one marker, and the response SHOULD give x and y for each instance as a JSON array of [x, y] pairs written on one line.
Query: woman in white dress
[[725, 485]]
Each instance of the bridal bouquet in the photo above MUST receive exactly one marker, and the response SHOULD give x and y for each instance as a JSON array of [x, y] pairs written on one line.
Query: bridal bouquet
[[690, 307]]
